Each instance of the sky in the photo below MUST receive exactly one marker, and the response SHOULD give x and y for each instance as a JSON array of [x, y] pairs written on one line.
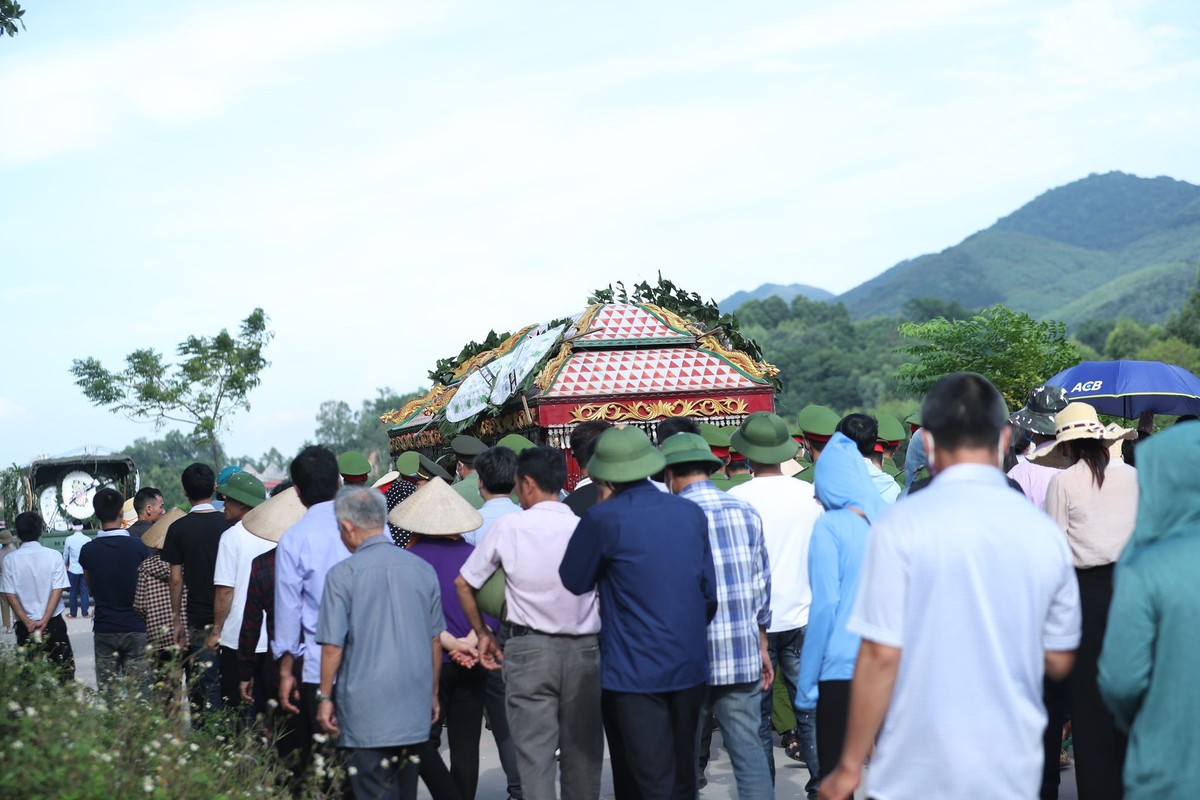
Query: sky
[[390, 180]]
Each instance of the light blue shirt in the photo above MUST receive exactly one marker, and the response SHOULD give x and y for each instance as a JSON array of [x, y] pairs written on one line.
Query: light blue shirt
[[71, 548], [491, 511], [305, 554]]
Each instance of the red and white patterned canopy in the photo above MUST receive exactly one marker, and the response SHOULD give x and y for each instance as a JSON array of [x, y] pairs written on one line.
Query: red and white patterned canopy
[[649, 371], [623, 323]]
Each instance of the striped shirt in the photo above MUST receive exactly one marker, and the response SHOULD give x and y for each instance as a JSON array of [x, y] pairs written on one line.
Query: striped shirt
[[743, 584]]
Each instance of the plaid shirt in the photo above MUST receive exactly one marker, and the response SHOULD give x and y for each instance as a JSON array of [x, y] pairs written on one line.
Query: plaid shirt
[[152, 601], [743, 584], [260, 600]]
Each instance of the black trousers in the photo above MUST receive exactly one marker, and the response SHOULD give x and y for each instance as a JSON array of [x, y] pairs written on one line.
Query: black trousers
[[833, 718], [1055, 695], [55, 646], [334, 757], [1099, 746], [659, 733], [461, 694], [625, 787]]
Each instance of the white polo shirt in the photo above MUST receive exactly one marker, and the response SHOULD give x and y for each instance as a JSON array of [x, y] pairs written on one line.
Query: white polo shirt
[[789, 509], [973, 584], [238, 548], [31, 572]]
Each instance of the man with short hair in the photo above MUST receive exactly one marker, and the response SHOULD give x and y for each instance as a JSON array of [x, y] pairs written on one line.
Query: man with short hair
[[496, 477], [739, 666], [372, 641], [78, 595], [863, 430], [191, 550], [967, 599], [553, 672], [647, 553], [788, 509], [32, 584], [466, 450], [304, 556], [231, 578], [586, 492], [149, 507], [110, 567]]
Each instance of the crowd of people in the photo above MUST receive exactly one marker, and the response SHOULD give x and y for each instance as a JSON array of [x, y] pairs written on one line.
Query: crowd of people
[[789, 586]]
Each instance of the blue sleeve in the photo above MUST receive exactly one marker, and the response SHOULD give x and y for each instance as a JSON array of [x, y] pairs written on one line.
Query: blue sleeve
[[287, 602], [1127, 659], [580, 567], [826, 592], [708, 572]]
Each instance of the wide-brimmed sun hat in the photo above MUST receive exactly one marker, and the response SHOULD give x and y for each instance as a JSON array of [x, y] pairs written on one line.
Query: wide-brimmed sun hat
[[127, 513], [625, 455], [1038, 415], [435, 510], [271, 519], [156, 534], [1079, 421], [386, 479], [764, 437], [689, 448]]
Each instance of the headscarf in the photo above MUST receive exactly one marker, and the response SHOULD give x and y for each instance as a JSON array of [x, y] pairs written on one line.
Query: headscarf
[[1168, 467], [841, 479]]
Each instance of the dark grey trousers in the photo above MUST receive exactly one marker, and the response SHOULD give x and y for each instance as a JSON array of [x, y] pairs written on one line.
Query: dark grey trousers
[[383, 773], [120, 654], [553, 692]]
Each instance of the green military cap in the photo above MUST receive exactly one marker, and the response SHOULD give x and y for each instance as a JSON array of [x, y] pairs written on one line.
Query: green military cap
[[244, 488], [890, 429], [467, 447], [624, 455], [353, 462], [739, 479], [764, 437], [913, 420], [818, 421], [686, 448], [715, 435], [413, 463], [515, 442]]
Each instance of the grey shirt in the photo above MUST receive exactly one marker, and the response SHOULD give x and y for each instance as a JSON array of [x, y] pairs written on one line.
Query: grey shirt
[[383, 607]]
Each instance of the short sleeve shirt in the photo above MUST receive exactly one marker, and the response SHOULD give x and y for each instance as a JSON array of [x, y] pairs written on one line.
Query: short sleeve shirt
[[383, 607], [193, 542], [237, 551], [973, 584], [111, 563]]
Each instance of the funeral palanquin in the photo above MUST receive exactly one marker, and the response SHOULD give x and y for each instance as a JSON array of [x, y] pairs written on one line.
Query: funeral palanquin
[[624, 363]]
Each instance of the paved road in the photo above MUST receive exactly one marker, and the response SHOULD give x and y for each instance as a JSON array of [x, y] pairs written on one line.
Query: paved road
[[790, 775]]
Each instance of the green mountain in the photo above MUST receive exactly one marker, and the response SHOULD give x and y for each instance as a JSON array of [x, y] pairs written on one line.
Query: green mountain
[[786, 293], [1102, 247]]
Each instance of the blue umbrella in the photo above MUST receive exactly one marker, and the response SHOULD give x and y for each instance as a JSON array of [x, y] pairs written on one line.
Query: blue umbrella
[[1130, 389]]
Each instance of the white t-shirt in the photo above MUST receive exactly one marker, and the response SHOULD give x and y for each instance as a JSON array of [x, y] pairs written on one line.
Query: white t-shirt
[[237, 549], [789, 509], [973, 584]]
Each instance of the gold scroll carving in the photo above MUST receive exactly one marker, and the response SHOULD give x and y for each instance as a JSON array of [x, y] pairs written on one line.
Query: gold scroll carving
[[646, 410]]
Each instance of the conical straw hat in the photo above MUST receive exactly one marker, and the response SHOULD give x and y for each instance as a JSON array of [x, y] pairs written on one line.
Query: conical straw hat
[[436, 510], [157, 534], [271, 519]]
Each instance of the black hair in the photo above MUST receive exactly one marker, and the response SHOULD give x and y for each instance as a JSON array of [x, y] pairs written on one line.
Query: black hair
[[144, 497], [686, 469], [315, 474], [497, 470], [547, 467], [1092, 452], [199, 482], [964, 410], [739, 464], [282, 486], [673, 425], [107, 504], [29, 526], [861, 429], [584, 434]]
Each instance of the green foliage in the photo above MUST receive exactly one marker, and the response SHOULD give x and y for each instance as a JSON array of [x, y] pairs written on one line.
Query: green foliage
[[340, 428], [443, 371], [1185, 323], [66, 741], [161, 462], [1012, 349], [923, 309], [1094, 333], [10, 17], [1172, 351], [1126, 340], [212, 379]]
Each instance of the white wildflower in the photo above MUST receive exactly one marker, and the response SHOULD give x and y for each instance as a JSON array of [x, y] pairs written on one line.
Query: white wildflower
[[18, 744], [352, 771], [106, 758], [320, 738], [147, 784], [195, 748], [14, 706], [30, 711], [384, 763]]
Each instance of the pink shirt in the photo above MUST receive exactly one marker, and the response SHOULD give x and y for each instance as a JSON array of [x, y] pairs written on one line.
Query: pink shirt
[[1034, 479], [530, 546]]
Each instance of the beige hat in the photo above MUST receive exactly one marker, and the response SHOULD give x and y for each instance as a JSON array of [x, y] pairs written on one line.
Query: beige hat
[[791, 467], [156, 536], [1079, 421], [386, 478], [436, 510], [130, 516], [271, 518]]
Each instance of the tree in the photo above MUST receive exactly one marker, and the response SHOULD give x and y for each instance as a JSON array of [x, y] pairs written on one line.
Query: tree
[[1185, 323], [1012, 349], [212, 380], [1094, 332], [340, 428], [161, 462], [1126, 340], [923, 309], [10, 17], [336, 426]]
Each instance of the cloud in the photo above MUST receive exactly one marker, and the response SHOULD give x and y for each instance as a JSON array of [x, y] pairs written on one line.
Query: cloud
[[13, 412]]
